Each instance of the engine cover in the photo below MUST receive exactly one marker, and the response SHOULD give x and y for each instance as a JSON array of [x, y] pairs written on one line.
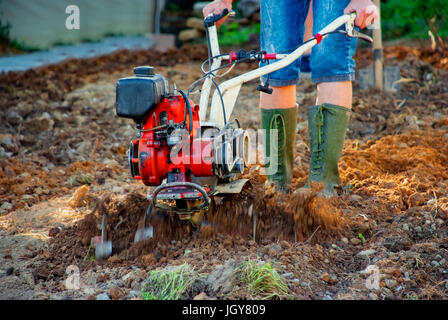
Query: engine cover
[[167, 148]]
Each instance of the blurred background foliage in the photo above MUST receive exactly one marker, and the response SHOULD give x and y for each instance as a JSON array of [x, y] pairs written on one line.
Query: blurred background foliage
[[410, 18], [232, 33], [401, 19]]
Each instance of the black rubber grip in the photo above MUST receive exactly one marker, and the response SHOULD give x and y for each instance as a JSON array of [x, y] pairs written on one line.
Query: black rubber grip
[[265, 89], [209, 21]]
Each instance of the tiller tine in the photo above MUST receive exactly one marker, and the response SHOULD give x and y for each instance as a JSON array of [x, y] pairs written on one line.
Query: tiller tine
[[103, 248], [145, 232]]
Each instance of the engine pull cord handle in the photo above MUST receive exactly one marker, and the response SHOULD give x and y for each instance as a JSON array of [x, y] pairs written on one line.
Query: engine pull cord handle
[[265, 87], [190, 112], [351, 32]]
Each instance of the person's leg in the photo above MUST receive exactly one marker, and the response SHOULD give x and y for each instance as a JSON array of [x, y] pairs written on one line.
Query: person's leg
[[281, 31], [309, 25], [338, 93], [332, 68], [281, 98], [332, 60]]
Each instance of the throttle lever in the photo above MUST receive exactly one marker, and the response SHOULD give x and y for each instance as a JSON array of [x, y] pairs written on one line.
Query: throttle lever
[[265, 88], [356, 34]]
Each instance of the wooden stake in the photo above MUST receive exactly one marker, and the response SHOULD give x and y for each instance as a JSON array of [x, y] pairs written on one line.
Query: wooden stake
[[378, 51]]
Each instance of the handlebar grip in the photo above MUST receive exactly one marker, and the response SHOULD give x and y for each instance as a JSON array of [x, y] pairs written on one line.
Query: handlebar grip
[[212, 19]]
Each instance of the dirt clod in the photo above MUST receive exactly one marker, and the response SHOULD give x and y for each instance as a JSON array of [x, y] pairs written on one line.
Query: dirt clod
[[329, 279], [54, 231], [116, 293]]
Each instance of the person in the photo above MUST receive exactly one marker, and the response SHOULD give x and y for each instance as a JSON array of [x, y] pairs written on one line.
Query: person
[[282, 26]]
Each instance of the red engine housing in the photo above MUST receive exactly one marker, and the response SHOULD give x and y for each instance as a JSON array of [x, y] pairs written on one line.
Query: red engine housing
[[155, 156]]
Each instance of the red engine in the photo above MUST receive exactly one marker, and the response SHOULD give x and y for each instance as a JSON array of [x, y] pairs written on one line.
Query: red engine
[[172, 145]]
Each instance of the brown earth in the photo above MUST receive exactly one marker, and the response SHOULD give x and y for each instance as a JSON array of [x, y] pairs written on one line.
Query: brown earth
[[437, 58], [61, 132]]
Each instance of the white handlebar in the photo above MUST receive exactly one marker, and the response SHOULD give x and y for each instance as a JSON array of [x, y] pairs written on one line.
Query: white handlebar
[[230, 88]]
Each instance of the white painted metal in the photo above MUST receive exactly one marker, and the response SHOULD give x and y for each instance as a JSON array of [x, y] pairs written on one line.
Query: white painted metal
[[231, 88], [278, 56], [216, 63]]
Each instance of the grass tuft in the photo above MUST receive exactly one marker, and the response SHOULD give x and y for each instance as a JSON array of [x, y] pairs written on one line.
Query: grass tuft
[[169, 283], [263, 280]]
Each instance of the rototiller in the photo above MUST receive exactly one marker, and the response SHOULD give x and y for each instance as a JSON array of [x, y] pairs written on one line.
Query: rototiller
[[191, 152]]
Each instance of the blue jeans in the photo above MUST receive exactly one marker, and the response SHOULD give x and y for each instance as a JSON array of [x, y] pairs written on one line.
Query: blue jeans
[[281, 31]]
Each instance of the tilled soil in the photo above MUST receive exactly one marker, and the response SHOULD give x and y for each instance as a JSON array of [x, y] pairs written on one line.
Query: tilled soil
[[61, 132]]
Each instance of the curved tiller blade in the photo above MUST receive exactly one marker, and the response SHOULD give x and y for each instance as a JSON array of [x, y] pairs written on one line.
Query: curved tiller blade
[[103, 250], [103, 247], [145, 233]]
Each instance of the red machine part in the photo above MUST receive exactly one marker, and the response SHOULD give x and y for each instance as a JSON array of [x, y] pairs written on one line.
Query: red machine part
[[154, 157], [233, 56]]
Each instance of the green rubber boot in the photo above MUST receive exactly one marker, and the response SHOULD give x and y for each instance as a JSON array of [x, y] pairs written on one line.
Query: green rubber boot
[[279, 148], [327, 125]]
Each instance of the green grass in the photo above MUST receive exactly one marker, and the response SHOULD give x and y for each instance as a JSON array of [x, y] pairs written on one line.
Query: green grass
[[5, 37], [81, 179], [410, 18], [362, 238], [169, 283], [263, 280]]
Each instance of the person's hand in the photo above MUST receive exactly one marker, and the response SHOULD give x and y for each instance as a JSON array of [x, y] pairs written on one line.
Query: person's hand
[[366, 12], [217, 7]]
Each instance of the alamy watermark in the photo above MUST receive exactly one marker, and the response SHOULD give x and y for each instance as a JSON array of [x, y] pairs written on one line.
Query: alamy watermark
[[73, 280], [250, 147], [373, 281], [73, 21]]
